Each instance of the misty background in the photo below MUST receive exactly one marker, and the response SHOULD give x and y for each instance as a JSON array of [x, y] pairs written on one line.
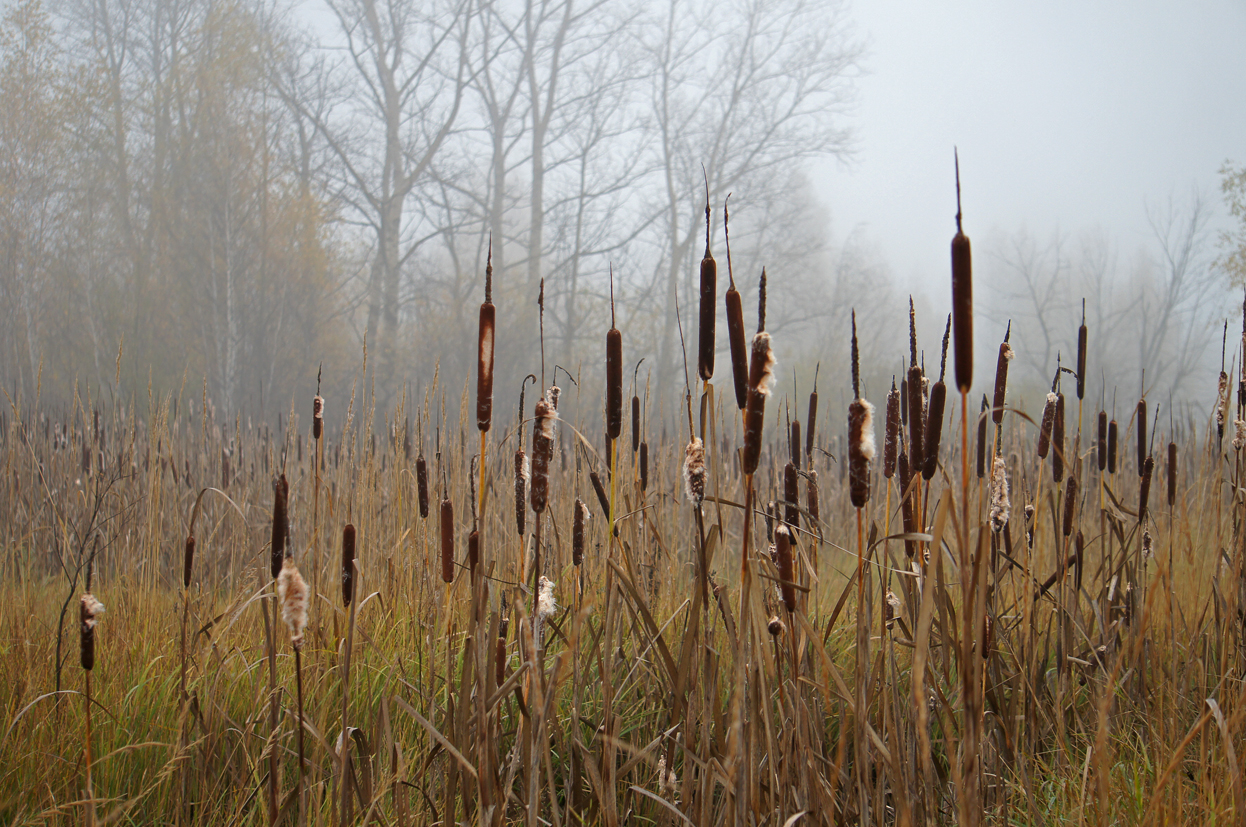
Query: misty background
[[216, 197]]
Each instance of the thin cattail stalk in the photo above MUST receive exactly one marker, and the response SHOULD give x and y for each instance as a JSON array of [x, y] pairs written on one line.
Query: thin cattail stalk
[[350, 569]]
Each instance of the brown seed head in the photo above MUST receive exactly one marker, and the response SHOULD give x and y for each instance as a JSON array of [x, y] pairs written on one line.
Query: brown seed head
[[577, 532], [1144, 489], [1172, 474], [739, 348], [89, 611], [962, 298], [811, 498], [348, 564], [709, 312], [644, 466], [982, 420], [1001, 379], [614, 383], [1142, 445], [916, 405], [188, 560], [1057, 440], [1101, 444], [281, 525], [522, 473], [787, 573], [542, 453], [891, 434], [421, 484], [1070, 504], [934, 430], [1112, 429], [791, 495], [694, 471], [860, 450], [1044, 431], [447, 540]]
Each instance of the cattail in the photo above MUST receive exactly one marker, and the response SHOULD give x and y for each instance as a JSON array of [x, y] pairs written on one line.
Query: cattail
[[348, 564], [891, 433], [552, 393], [1144, 490], [1142, 446], [1057, 440], [982, 419], [812, 420], [904, 400], [188, 560], [1148, 544], [793, 446], [577, 532], [1172, 474], [694, 471], [860, 450], [915, 404], [811, 497], [1044, 430], [783, 552], [1239, 434], [500, 657], [522, 473], [761, 380], [770, 523], [473, 549], [602, 499], [962, 298], [735, 325], [1006, 355], [988, 637], [1081, 355], [644, 466], [281, 524], [891, 607], [1070, 503], [484, 351], [1101, 449], [89, 611], [421, 484], [317, 416], [709, 293], [934, 429], [635, 423], [542, 453], [1222, 403], [614, 375], [1000, 503], [447, 540], [774, 626], [545, 605], [1112, 447], [292, 594], [791, 495]]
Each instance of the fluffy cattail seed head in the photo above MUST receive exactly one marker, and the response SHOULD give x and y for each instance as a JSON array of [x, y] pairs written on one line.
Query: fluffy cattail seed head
[[860, 450], [891, 609], [522, 473], [1239, 434], [89, 611], [348, 564], [1000, 503], [694, 471], [292, 594], [318, 417], [761, 364], [545, 605], [484, 366], [774, 626], [447, 540], [542, 453]]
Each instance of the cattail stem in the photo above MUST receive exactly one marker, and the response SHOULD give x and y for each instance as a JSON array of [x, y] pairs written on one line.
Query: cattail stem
[[298, 683]]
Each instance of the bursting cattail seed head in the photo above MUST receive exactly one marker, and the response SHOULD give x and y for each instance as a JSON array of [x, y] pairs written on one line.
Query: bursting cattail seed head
[[860, 450], [694, 471], [891, 608], [774, 626], [577, 532], [783, 555], [891, 431], [281, 524], [348, 564], [89, 611], [447, 541], [484, 352], [962, 298], [317, 416], [1000, 503], [545, 605], [292, 594], [522, 474], [1239, 434], [542, 453]]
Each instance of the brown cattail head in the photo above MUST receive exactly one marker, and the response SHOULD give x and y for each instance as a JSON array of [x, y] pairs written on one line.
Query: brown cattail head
[[644, 466], [447, 540], [982, 419], [603, 500], [761, 303], [635, 423], [318, 417], [754, 423], [709, 312], [281, 524], [577, 532], [812, 422], [787, 573], [484, 352], [473, 550], [188, 560], [793, 446], [1144, 489], [348, 564], [962, 298], [292, 594], [1081, 355], [694, 471], [522, 473], [1070, 504], [915, 405], [1044, 430], [1001, 378], [421, 484], [614, 383], [1222, 402], [891, 433], [1112, 447], [89, 611], [860, 450], [1172, 474], [1101, 445], [542, 453], [811, 498], [934, 429], [739, 348], [1057, 440], [791, 495], [1142, 447]]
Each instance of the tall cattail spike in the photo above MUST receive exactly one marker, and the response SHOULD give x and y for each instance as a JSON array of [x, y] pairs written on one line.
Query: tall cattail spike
[[947, 334], [489, 272], [761, 302], [912, 334], [856, 360]]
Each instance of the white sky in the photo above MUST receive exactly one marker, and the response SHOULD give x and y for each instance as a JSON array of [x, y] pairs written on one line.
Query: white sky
[[1066, 114]]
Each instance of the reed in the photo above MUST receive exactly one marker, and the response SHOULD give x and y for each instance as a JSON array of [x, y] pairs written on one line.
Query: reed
[[709, 300], [735, 325]]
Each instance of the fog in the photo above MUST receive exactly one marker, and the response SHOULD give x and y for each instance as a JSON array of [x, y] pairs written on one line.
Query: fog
[[238, 200]]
